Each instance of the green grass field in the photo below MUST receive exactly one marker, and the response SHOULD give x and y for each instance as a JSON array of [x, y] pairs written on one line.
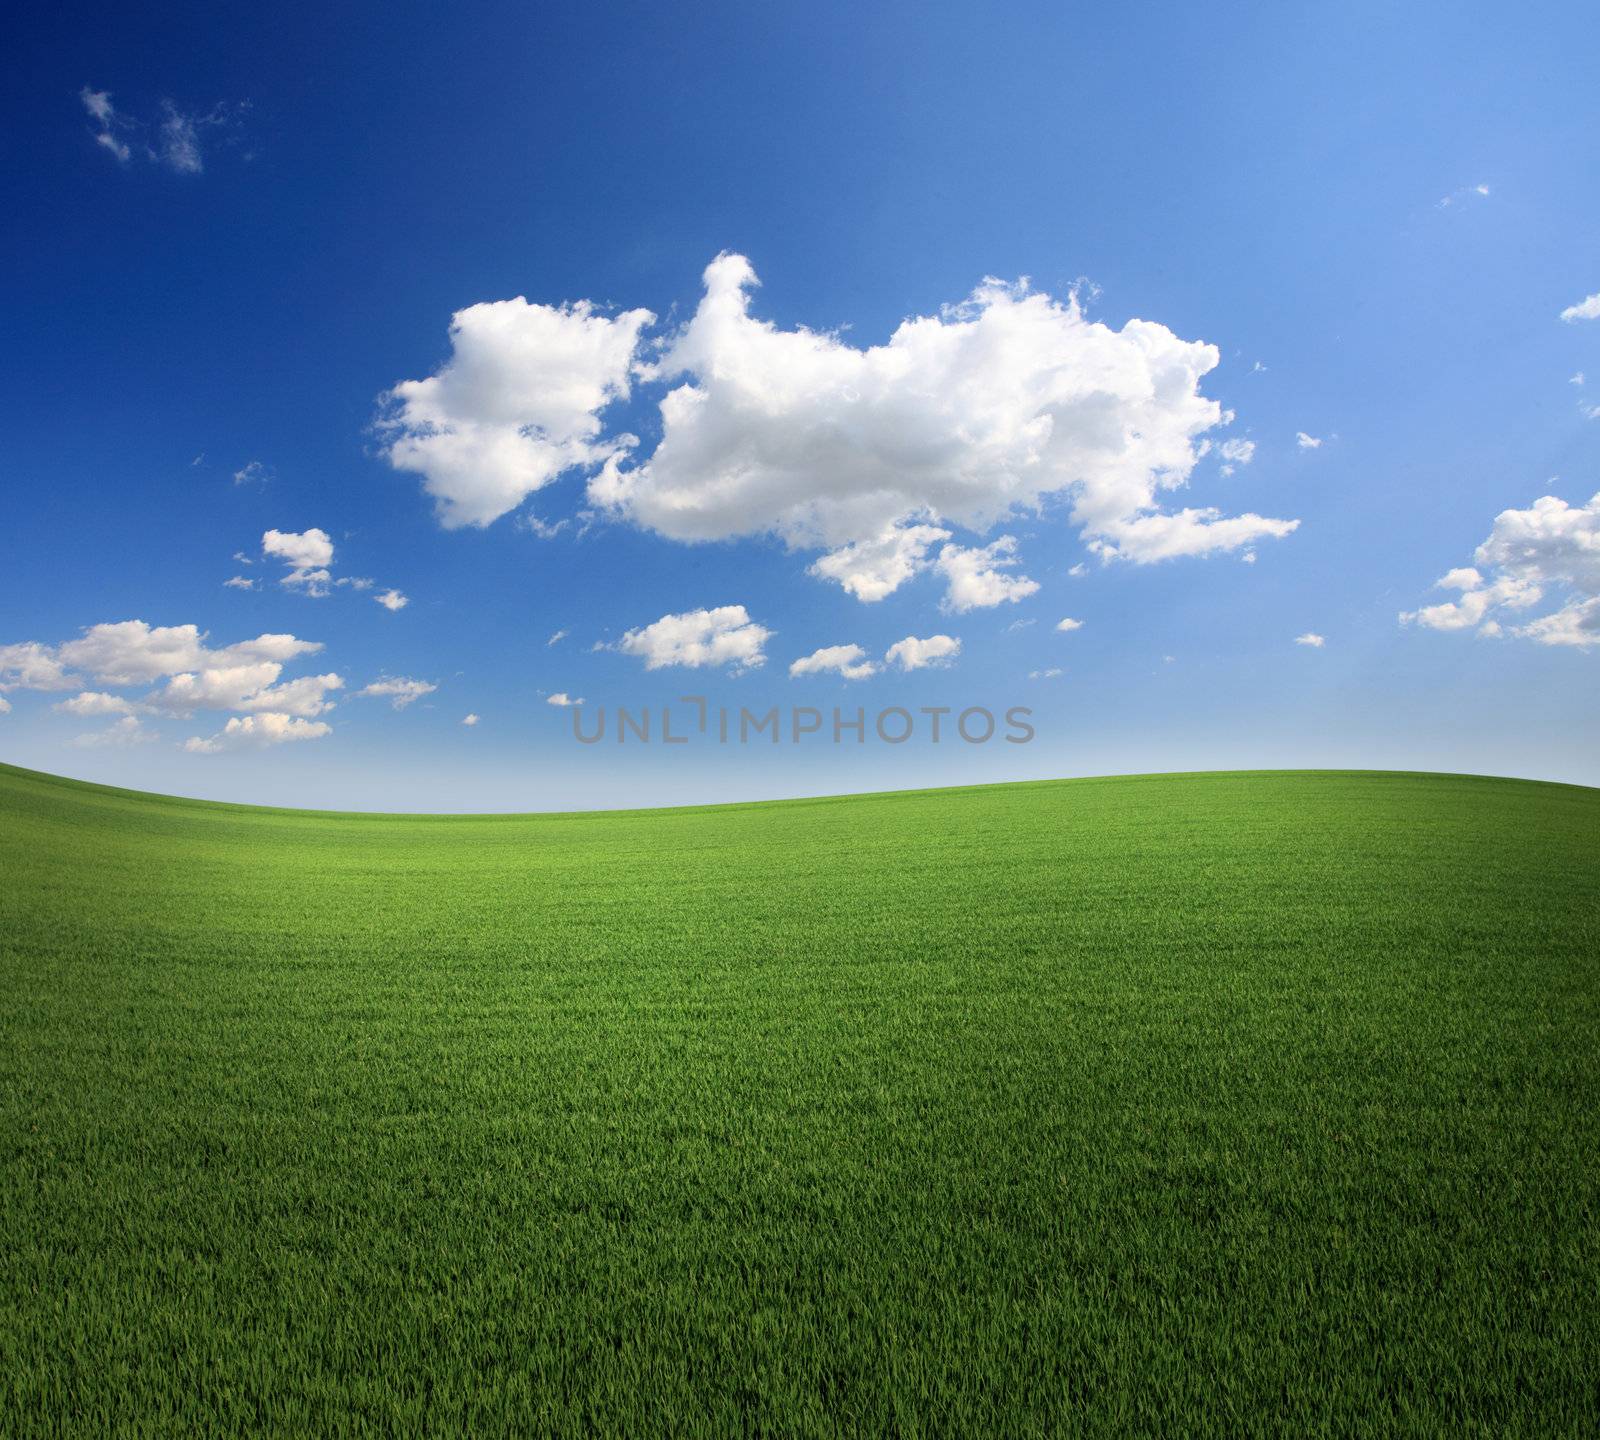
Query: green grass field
[[1210, 1104]]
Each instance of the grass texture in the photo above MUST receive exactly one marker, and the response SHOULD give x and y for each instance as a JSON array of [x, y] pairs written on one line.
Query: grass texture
[[1192, 1105]]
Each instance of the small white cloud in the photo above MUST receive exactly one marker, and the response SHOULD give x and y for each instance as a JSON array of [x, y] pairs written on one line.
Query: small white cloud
[[724, 636], [248, 687], [131, 652], [126, 731], [1577, 379], [392, 600], [307, 553], [1049, 674], [1021, 624], [557, 638], [95, 702], [306, 550], [239, 582], [1248, 558], [1550, 545], [356, 582], [1236, 452], [1307, 442], [179, 140], [5, 706], [850, 661], [108, 123], [469, 719], [398, 691], [872, 568], [1068, 625], [253, 472], [1586, 309], [1316, 642], [914, 654], [1466, 192], [32, 666], [976, 578], [563, 699], [258, 731]]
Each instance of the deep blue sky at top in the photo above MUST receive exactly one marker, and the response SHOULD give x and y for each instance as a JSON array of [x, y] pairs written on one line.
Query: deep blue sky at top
[[1266, 178]]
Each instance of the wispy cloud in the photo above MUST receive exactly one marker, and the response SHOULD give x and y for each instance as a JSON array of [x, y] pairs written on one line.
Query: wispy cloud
[[174, 138], [399, 690]]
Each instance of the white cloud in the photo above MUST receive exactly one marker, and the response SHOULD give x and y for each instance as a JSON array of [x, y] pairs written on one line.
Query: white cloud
[[914, 654], [963, 417], [850, 661], [179, 140], [126, 731], [724, 636], [974, 576], [307, 553], [1576, 379], [1235, 453], [1049, 674], [249, 688], [252, 472], [1307, 442], [95, 702], [1586, 309], [563, 699], [5, 706], [174, 139], [239, 582], [1316, 642], [243, 677], [1466, 192], [877, 566], [392, 600], [1068, 625], [399, 691], [469, 719], [1550, 545], [1577, 623], [32, 666], [1148, 538], [131, 652], [517, 404], [556, 639], [257, 731], [108, 123]]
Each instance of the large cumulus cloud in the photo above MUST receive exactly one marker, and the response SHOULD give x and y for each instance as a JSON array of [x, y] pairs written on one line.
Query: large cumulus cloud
[[992, 407]]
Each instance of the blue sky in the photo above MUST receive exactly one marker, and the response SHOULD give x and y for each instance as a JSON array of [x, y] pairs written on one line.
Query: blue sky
[[230, 234]]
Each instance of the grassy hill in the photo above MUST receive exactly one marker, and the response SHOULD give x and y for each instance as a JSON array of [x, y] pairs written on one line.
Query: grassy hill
[[1190, 1104]]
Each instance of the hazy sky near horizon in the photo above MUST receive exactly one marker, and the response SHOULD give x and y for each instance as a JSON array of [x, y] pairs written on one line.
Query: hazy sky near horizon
[[1223, 387]]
